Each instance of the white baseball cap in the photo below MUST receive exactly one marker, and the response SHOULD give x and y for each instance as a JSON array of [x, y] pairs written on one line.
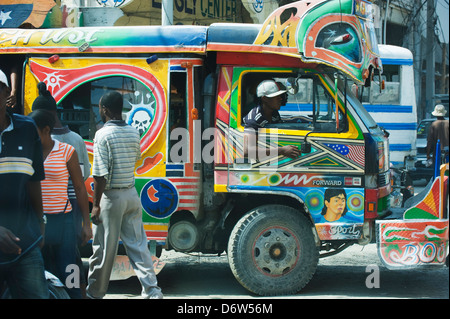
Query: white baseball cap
[[268, 88], [3, 78]]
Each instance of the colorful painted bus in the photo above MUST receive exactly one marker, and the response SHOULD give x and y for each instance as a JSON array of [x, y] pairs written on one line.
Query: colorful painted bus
[[186, 90]]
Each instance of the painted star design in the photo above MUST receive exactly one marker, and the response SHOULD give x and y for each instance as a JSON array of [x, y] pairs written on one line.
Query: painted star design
[[4, 16]]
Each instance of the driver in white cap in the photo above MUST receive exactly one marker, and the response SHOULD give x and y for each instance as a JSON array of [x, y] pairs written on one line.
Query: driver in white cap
[[271, 97]]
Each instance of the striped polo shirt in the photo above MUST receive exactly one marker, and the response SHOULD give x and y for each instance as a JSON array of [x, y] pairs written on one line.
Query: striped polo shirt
[[20, 162], [54, 186], [116, 150]]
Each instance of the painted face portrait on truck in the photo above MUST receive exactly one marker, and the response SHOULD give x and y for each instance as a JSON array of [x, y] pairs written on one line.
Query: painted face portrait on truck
[[335, 204]]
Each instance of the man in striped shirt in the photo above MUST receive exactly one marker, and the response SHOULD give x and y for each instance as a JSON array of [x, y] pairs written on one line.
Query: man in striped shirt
[[117, 208]]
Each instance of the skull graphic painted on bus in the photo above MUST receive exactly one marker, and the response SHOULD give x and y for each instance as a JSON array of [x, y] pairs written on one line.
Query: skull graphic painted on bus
[[141, 121]]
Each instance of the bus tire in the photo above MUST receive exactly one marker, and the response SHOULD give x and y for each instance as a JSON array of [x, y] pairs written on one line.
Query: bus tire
[[272, 251]]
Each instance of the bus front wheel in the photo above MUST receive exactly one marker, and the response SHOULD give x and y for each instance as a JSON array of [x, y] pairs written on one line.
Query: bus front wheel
[[271, 250]]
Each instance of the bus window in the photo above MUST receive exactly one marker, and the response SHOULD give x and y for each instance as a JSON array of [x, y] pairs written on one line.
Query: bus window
[[177, 108], [309, 106], [391, 93], [79, 109]]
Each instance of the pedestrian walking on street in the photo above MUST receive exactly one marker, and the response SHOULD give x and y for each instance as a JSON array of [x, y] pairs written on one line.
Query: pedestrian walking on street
[[439, 130], [60, 163], [117, 210], [45, 101], [22, 221]]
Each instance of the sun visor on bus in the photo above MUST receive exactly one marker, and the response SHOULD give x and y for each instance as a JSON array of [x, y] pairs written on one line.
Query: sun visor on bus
[[337, 33], [140, 39]]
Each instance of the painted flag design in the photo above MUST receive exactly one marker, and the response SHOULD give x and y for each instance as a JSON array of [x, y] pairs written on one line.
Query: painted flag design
[[352, 152]]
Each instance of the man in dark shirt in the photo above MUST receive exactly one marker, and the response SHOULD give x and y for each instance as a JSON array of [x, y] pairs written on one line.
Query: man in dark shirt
[[271, 99], [437, 131], [21, 214]]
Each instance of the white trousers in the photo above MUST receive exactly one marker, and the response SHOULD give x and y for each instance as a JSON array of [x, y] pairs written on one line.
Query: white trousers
[[121, 216]]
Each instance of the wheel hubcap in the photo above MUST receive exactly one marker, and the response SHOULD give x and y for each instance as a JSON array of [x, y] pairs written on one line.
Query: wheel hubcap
[[275, 251]]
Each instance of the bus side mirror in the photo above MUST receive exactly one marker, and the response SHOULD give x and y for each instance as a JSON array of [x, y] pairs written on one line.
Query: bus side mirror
[[306, 147]]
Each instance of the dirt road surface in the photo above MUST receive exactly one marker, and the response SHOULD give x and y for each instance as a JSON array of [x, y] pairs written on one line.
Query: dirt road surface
[[340, 276]]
